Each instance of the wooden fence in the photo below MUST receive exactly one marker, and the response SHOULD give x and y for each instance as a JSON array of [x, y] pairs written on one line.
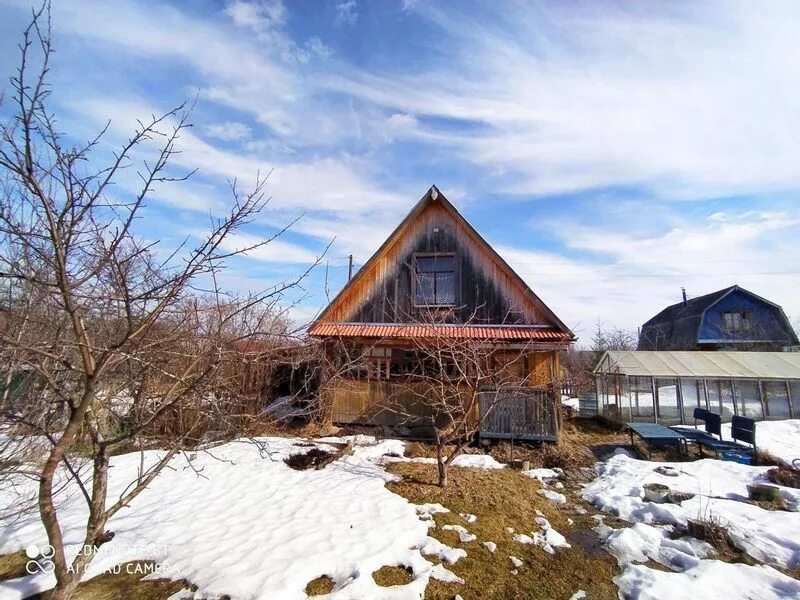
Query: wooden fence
[[520, 414]]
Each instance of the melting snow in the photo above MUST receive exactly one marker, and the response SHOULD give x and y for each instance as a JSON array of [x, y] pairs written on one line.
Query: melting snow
[[720, 491], [556, 497], [463, 535], [250, 526]]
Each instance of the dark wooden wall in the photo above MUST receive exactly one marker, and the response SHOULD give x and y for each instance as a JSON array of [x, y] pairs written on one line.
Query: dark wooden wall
[[482, 287]]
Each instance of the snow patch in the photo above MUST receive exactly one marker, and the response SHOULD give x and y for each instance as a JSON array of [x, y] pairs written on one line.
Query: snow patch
[[709, 580], [555, 497], [463, 535], [250, 527]]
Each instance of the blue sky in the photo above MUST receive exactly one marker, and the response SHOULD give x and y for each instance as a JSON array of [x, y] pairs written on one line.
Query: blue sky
[[611, 151]]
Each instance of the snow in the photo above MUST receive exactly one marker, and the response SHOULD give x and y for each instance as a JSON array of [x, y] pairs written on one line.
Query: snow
[[552, 537], [555, 497], [463, 535], [474, 461], [516, 562], [709, 580], [521, 538], [543, 474], [444, 575], [490, 546], [251, 527], [468, 517], [573, 403], [779, 438], [720, 488], [720, 494], [283, 409], [640, 543], [442, 551], [430, 509], [579, 595], [548, 538]]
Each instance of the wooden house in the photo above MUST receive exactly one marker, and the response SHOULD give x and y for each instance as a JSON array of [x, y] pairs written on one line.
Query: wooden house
[[436, 278], [729, 319]]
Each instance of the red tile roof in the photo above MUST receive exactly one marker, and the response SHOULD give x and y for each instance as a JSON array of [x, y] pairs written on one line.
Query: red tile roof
[[478, 332]]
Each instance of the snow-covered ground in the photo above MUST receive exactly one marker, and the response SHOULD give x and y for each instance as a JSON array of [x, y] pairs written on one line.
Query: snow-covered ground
[[779, 438], [573, 403], [238, 521], [720, 491]]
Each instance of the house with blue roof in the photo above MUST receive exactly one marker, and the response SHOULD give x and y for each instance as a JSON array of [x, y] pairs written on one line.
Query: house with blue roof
[[729, 319]]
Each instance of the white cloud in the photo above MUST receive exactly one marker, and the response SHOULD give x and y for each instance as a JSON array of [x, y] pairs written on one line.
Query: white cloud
[[258, 16], [276, 251], [347, 12], [624, 278], [229, 131], [693, 101]]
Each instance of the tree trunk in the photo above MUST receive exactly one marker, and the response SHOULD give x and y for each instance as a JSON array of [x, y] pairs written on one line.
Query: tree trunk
[[442, 464], [65, 588]]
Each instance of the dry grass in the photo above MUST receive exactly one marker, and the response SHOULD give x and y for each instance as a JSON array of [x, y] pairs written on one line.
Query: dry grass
[[320, 586], [13, 565], [389, 576], [500, 499], [580, 443], [124, 585], [786, 476]]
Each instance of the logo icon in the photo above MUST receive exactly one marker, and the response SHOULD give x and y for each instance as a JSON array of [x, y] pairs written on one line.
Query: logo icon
[[41, 559]]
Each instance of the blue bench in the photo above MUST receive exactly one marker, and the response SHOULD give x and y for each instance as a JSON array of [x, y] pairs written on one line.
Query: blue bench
[[654, 434], [742, 430]]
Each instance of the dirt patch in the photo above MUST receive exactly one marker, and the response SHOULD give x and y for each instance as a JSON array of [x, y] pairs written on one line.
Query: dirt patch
[[319, 586], [502, 498], [786, 476], [13, 565], [127, 584], [313, 459], [389, 576], [587, 539]]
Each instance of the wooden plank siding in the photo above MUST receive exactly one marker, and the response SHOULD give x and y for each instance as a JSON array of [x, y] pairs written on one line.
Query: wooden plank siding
[[362, 401], [482, 286]]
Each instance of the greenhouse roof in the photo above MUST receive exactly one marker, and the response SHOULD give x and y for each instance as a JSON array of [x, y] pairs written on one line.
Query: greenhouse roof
[[702, 365]]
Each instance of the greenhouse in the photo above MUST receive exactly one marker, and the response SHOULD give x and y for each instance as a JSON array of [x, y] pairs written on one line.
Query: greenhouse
[[666, 387]]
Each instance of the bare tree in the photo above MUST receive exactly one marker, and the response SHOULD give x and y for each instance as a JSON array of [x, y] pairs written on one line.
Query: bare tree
[[453, 382], [611, 338], [108, 338]]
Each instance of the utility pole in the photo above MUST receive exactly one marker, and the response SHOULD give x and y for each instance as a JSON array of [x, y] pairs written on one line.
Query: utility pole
[[349, 267]]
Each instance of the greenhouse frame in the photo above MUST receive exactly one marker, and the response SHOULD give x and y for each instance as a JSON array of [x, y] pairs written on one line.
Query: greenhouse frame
[[666, 386]]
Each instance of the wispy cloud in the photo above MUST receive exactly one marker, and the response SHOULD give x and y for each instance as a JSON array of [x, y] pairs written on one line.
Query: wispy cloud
[[597, 122], [347, 12]]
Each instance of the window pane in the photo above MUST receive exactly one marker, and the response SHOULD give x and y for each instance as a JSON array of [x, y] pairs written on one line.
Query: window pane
[[668, 412], [748, 400], [445, 288], [641, 400], [776, 397], [426, 290], [720, 398], [693, 397], [795, 389], [430, 264]]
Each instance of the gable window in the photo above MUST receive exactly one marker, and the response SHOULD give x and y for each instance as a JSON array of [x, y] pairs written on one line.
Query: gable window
[[435, 280], [735, 321]]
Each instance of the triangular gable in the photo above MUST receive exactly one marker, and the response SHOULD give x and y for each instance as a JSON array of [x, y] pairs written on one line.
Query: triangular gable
[[369, 276]]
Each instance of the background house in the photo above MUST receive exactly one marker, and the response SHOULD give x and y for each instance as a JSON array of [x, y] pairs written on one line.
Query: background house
[[434, 282], [728, 319]]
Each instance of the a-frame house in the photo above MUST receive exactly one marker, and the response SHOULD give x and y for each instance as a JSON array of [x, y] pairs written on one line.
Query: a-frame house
[[435, 277]]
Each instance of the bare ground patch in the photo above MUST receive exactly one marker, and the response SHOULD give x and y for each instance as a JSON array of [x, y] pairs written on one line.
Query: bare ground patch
[[504, 499]]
